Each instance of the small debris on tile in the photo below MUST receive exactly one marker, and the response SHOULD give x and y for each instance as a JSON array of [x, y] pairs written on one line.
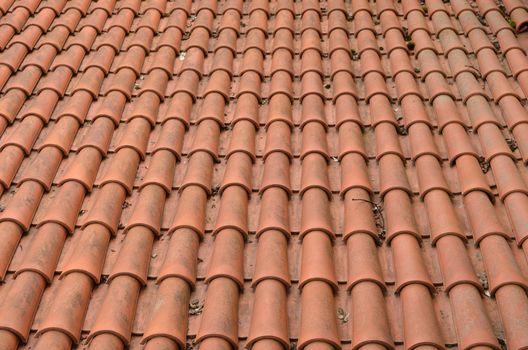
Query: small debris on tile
[[125, 205], [182, 55], [215, 190], [402, 130], [483, 279], [502, 343], [512, 144], [342, 315], [443, 315], [377, 210], [481, 19], [195, 307], [495, 43], [502, 8], [484, 164], [406, 35]]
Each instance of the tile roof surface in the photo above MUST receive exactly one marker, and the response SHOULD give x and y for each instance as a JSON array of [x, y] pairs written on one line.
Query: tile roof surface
[[218, 175]]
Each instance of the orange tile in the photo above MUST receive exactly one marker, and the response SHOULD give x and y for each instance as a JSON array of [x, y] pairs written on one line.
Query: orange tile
[[263, 174]]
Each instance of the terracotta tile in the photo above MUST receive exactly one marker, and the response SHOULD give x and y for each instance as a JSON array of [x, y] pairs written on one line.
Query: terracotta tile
[[223, 174]]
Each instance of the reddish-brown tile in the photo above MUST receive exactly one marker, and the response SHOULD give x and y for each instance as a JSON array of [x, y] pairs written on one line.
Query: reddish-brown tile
[[263, 174]]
